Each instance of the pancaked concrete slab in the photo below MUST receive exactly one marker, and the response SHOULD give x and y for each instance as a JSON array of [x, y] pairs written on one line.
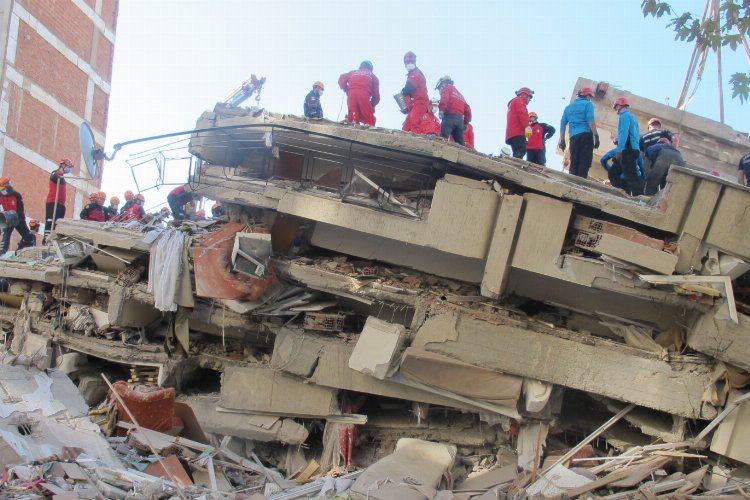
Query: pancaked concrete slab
[[572, 360], [263, 428], [98, 234], [722, 338], [377, 348], [263, 389], [731, 437]]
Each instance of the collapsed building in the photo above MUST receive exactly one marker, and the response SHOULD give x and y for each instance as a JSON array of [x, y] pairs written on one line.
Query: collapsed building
[[369, 285]]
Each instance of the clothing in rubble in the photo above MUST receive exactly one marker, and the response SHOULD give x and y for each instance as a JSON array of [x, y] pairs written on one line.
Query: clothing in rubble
[[614, 168], [660, 157], [420, 119], [743, 170], [536, 151], [177, 199], [312, 106], [11, 200], [94, 211], [362, 90], [628, 135], [456, 112], [578, 116]]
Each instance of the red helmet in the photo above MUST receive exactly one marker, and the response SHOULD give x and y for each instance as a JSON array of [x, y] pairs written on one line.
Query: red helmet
[[654, 120], [128, 195], [65, 162], [586, 92], [140, 197], [525, 90], [621, 101], [410, 57]]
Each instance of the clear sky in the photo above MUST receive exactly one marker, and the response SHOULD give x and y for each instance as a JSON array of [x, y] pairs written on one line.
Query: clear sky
[[175, 59]]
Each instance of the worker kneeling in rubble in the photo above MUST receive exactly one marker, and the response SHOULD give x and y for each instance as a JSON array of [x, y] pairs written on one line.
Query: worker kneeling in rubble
[[178, 198]]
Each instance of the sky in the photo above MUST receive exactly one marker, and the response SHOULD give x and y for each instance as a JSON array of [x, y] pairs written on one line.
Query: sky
[[175, 59]]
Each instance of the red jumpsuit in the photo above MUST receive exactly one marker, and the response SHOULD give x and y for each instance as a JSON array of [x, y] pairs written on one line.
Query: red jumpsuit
[[468, 136], [362, 95], [420, 119], [518, 118]]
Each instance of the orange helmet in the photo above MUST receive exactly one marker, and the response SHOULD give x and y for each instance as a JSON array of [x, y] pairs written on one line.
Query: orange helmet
[[621, 101], [129, 195], [65, 162], [102, 196], [114, 200], [533, 114], [319, 84], [4, 182], [94, 196], [140, 197]]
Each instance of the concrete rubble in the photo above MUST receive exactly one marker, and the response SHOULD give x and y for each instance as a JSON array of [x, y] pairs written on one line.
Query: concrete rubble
[[383, 315]]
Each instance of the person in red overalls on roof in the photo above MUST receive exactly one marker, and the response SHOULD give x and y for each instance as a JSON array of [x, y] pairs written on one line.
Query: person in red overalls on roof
[[362, 89], [454, 110], [12, 201], [94, 210], [56, 211], [420, 119]]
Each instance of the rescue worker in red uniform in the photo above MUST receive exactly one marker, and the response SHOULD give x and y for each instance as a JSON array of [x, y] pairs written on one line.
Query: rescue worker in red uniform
[[469, 136], [134, 211], [178, 198], [12, 201], [362, 89], [129, 201], [518, 128], [454, 110], [419, 118], [540, 132], [94, 210], [56, 211]]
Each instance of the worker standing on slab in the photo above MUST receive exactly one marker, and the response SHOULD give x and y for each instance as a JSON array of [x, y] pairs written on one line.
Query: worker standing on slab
[[659, 158], [362, 90], [312, 106], [743, 171], [540, 133], [178, 198], [584, 138], [518, 128], [655, 132], [129, 201], [11, 204], [55, 202], [628, 136], [419, 118], [95, 210], [454, 109]]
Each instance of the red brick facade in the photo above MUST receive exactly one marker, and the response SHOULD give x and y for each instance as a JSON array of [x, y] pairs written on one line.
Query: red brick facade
[[56, 77]]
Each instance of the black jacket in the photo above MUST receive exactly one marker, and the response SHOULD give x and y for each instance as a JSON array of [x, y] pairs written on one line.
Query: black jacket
[[313, 109]]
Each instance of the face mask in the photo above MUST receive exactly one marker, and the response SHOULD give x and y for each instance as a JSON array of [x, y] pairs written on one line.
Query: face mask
[[3, 191], [411, 66], [68, 170]]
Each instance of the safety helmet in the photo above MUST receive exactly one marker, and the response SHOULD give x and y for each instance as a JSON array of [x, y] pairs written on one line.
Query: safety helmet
[[319, 84], [586, 92], [532, 113], [444, 79], [654, 120], [215, 206], [4, 182], [525, 90], [129, 195], [365, 64], [114, 200], [65, 162], [33, 224], [410, 57], [621, 101], [102, 196], [140, 197], [94, 196]]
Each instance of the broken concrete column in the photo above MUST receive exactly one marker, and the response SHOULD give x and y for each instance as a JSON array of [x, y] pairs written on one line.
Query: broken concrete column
[[722, 338]]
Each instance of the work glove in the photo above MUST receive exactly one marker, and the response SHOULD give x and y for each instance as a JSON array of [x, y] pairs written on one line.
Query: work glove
[[561, 145], [596, 141], [527, 132]]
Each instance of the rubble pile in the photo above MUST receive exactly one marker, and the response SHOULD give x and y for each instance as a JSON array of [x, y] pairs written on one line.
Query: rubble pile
[[384, 316]]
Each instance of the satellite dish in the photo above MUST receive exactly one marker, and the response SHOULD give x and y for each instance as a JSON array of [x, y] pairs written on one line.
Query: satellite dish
[[89, 150]]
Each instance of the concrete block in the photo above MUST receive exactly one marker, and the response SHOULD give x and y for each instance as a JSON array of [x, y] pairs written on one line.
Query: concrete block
[[378, 346], [38, 349], [722, 338], [732, 436], [541, 236], [93, 389], [627, 250]]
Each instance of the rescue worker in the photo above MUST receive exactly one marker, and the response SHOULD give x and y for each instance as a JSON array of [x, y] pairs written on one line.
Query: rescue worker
[[200, 214], [218, 210], [34, 231], [129, 201], [113, 209], [178, 198], [454, 110], [655, 132], [54, 211], [518, 128], [135, 211], [12, 201], [743, 170], [419, 118], [614, 168], [469, 136], [362, 90], [626, 151], [659, 158], [95, 210], [584, 137], [540, 133], [312, 107]]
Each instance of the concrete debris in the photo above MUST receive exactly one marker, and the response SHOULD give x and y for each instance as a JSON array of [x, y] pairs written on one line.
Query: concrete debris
[[383, 315]]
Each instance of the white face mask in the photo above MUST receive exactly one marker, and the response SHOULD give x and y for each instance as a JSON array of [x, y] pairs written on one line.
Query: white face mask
[[411, 66]]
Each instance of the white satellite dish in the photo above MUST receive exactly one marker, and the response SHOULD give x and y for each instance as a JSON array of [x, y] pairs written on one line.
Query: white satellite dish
[[89, 150]]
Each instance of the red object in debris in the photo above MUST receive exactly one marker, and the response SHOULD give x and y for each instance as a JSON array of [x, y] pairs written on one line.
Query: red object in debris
[[715, 173], [213, 272], [152, 406]]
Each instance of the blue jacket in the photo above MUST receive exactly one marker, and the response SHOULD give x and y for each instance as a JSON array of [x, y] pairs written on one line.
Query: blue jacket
[[640, 167], [578, 114], [628, 133], [312, 107]]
